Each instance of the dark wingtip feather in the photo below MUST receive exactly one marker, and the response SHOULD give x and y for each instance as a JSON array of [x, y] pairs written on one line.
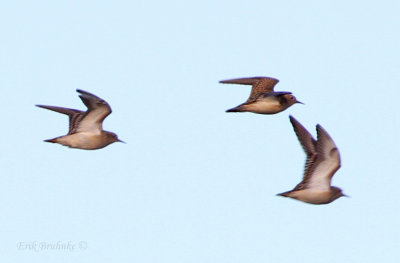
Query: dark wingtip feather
[[321, 131], [83, 92], [293, 121], [47, 107]]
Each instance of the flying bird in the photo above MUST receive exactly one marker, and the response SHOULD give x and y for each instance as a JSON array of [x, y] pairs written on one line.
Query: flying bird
[[323, 160], [85, 128], [263, 99]]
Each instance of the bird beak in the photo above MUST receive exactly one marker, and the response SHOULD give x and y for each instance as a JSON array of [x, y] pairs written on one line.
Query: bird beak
[[346, 196], [299, 102], [121, 141]]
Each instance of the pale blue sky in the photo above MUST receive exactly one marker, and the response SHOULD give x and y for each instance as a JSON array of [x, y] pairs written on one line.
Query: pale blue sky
[[193, 183]]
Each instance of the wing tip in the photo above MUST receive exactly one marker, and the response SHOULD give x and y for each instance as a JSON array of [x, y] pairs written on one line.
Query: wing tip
[[293, 121], [239, 80], [321, 130], [84, 92]]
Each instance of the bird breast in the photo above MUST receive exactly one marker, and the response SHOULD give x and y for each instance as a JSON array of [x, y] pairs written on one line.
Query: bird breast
[[84, 140], [269, 105], [312, 196]]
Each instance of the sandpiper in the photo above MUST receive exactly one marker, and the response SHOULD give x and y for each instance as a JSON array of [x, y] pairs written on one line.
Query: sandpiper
[[323, 160], [85, 128], [263, 99]]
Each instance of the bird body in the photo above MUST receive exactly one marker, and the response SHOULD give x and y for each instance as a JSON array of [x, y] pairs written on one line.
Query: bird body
[[323, 160], [85, 128], [263, 99], [262, 105], [84, 140], [312, 196]]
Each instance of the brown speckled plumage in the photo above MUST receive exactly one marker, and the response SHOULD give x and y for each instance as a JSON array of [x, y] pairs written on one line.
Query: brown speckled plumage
[[85, 127], [323, 160], [263, 99]]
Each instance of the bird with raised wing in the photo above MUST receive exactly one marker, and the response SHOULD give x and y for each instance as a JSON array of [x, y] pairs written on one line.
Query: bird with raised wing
[[85, 128], [323, 160], [263, 99]]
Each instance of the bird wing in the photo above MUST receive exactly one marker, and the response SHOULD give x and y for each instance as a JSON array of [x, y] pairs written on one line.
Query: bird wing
[[309, 146], [75, 116], [260, 84], [98, 110], [327, 162]]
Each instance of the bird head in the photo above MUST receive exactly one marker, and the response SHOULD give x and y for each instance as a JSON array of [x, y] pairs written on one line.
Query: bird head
[[112, 137], [291, 99], [337, 193]]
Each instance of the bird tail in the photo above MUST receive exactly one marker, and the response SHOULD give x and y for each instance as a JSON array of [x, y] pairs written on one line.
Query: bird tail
[[285, 194], [239, 108], [51, 140]]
